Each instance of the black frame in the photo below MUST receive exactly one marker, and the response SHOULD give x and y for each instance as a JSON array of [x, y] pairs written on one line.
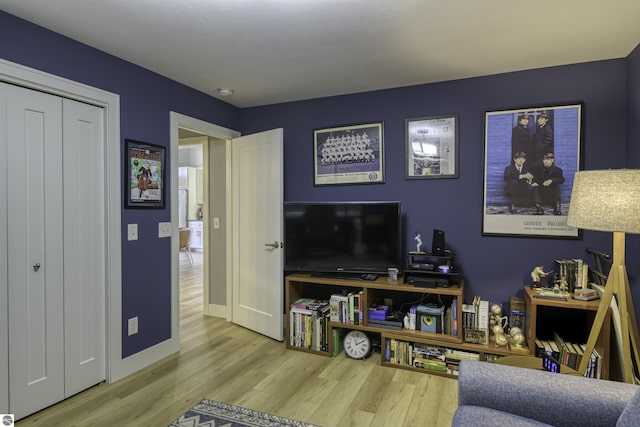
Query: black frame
[[152, 194], [438, 132], [563, 137], [364, 165]]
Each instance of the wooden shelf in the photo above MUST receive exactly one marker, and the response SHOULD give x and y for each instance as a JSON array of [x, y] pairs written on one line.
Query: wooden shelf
[[308, 286], [534, 305]]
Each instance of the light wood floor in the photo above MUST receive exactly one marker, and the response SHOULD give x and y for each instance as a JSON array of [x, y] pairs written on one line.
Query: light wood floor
[[221, 361]]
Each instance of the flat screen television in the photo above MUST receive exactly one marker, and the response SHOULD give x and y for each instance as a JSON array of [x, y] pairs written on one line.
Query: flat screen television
[[342, 237]]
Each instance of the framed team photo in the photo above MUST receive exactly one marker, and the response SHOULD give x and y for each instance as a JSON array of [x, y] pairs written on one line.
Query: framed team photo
[[351, 154], [530, 157]]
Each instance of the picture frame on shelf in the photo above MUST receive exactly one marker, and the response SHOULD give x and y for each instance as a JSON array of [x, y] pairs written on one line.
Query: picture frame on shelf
[[352, 154], [431, 147], [530, 157], [145, 178]]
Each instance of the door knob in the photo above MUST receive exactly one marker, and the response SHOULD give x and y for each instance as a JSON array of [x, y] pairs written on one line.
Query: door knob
[[36, 266], [274, 245]]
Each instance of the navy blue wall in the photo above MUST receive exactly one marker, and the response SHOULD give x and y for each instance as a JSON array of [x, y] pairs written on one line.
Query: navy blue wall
[[494, 267], [145, 102]]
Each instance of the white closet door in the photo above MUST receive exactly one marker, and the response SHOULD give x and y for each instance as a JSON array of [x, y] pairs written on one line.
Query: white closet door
[[84, 246], [4, 306], [35, 258]]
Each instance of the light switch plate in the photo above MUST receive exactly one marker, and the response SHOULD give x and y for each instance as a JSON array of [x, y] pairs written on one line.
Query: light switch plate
[[132, 231], [216, 222], [164, 229]]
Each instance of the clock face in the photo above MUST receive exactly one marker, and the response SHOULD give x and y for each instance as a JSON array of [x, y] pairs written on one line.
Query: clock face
[[357, 345]]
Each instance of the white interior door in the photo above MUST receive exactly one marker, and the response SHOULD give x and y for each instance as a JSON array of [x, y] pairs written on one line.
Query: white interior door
[[257, 188], [84, 246], [35, 259]]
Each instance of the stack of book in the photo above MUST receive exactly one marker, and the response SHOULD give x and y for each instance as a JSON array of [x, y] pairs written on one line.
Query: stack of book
[[573, 272], [347, 308], [398, 352], [308, 324], [425, 356], [429, 357], [570, 354], [475, 319], [453, 358]]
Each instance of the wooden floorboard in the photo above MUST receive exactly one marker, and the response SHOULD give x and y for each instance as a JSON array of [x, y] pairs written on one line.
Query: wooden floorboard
[[222, 361]]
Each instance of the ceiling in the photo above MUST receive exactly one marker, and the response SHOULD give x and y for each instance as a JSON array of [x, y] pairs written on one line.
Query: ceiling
[[272, 51]]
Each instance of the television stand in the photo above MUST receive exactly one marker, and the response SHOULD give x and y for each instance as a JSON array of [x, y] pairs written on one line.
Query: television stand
[[347, 276]]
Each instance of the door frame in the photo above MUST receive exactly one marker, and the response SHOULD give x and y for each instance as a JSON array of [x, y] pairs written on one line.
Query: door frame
[[116, 367], [177, 121]]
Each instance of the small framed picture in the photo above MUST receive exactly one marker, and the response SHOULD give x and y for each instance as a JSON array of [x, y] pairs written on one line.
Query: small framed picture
[[348, 155], [432, 147], [145, 181], [530, 157]]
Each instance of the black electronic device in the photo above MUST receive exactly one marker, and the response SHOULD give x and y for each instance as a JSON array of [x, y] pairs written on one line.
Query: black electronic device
[[428, 282], [437, 244], [345, 238], [549, 363]]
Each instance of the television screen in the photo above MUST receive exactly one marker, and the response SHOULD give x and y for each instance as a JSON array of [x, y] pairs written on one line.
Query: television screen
[[349, 237]]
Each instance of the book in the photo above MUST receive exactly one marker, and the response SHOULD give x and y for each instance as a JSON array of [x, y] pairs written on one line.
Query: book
[[337, 341], [454, 317], [303, 302]]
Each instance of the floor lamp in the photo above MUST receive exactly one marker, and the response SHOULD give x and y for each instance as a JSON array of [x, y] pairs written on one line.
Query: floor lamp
[[609, 200]]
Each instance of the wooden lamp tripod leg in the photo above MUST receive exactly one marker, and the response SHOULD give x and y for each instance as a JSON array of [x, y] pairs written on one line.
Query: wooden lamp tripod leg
[[597, 324]]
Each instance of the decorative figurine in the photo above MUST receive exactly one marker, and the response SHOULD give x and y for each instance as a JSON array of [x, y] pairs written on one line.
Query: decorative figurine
[[537, 273], [418, 240], [501, 340], [517, 339]]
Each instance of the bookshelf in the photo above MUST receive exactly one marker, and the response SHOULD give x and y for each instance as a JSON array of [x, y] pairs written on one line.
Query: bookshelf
[[299, 286], [572, 318]]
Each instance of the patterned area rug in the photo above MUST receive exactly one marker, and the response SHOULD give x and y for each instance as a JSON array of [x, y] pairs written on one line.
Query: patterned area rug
[[209, 413]]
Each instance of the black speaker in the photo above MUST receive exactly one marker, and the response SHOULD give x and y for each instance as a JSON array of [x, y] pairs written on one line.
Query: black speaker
[[437, 246]]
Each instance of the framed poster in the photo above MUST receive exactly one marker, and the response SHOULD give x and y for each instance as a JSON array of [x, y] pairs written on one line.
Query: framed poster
[[348, 155], [145, 180], [530, 157], [431, 147]]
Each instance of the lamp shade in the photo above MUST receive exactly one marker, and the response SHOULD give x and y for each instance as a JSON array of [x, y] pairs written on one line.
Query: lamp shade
[[606, 200]]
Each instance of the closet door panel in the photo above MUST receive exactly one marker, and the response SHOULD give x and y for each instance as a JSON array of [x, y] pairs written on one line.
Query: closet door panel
[[4, 278], [35, 258], [84, 246]]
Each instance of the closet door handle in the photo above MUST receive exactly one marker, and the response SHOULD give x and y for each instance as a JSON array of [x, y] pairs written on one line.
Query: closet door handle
[[36, 266]]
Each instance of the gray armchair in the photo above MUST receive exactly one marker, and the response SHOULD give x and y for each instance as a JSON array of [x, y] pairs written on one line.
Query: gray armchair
[[498, 395]]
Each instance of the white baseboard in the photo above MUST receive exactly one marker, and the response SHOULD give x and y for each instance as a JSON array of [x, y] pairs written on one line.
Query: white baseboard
[[216, 310]]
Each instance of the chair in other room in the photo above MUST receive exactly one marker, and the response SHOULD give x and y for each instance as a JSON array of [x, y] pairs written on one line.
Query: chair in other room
[[185, 236]]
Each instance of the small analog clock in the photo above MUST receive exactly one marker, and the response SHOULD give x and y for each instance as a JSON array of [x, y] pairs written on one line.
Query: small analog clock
[[357, 345]]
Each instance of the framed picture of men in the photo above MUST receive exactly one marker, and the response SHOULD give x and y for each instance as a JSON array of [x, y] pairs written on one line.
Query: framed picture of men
[[530, 157], [348, 155]]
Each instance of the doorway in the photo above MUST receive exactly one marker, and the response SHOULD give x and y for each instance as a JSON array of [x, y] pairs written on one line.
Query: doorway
[[215, 210], [191, 188]]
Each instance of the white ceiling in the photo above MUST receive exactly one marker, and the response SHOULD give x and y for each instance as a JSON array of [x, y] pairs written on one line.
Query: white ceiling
[[272, 51]]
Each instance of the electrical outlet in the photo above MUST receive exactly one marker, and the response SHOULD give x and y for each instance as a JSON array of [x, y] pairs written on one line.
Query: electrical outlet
[[164, 229], [133, 326]]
